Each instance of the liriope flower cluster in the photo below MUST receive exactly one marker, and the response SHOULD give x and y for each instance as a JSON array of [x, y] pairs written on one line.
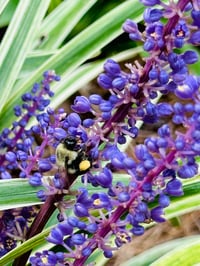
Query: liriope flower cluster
[[108, 219]]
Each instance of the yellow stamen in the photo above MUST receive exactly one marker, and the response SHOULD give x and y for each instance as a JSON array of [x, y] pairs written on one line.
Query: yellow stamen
[[97, 202], [44, 260]]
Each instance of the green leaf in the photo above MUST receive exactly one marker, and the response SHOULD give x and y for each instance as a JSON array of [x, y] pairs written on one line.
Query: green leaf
[[79, 49], [58, 24], [17, 42], [3, 4], [147, 257], [8, 7], [17, 192], [186, 253], [34, 60]]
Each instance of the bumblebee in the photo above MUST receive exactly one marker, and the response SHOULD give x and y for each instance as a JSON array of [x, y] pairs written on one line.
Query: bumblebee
[[71, 155]]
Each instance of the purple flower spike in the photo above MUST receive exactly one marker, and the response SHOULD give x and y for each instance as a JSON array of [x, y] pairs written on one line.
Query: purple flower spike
[[151, 172]]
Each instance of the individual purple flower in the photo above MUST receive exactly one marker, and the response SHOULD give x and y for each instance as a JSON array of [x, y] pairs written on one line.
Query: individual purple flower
[[196, 17], [174, 188], [87, 123], [60, 133], [10, 157], [150, 2], [157, 214], [80, 210], [105, 106], [188, 88], [81, 105], [137, 230], [65, 228], [104, 179], [101, 200], [36, 179], [5, 175], [164, 109], [187, 170], [119, 83], [95, 99], [73, 119], [77, 239], [181, 32], [131, 27], [190, 57], [122, 237], [154, 37], [92, 228], [56, 236], [164, 200], [123, 196], [152, 15], [112, 67], [195, 38], [108, 254], [163, 77], [105, 81], [44, 165]]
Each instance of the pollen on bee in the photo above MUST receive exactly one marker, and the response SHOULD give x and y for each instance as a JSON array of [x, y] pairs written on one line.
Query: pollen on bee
[[84, 165]]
